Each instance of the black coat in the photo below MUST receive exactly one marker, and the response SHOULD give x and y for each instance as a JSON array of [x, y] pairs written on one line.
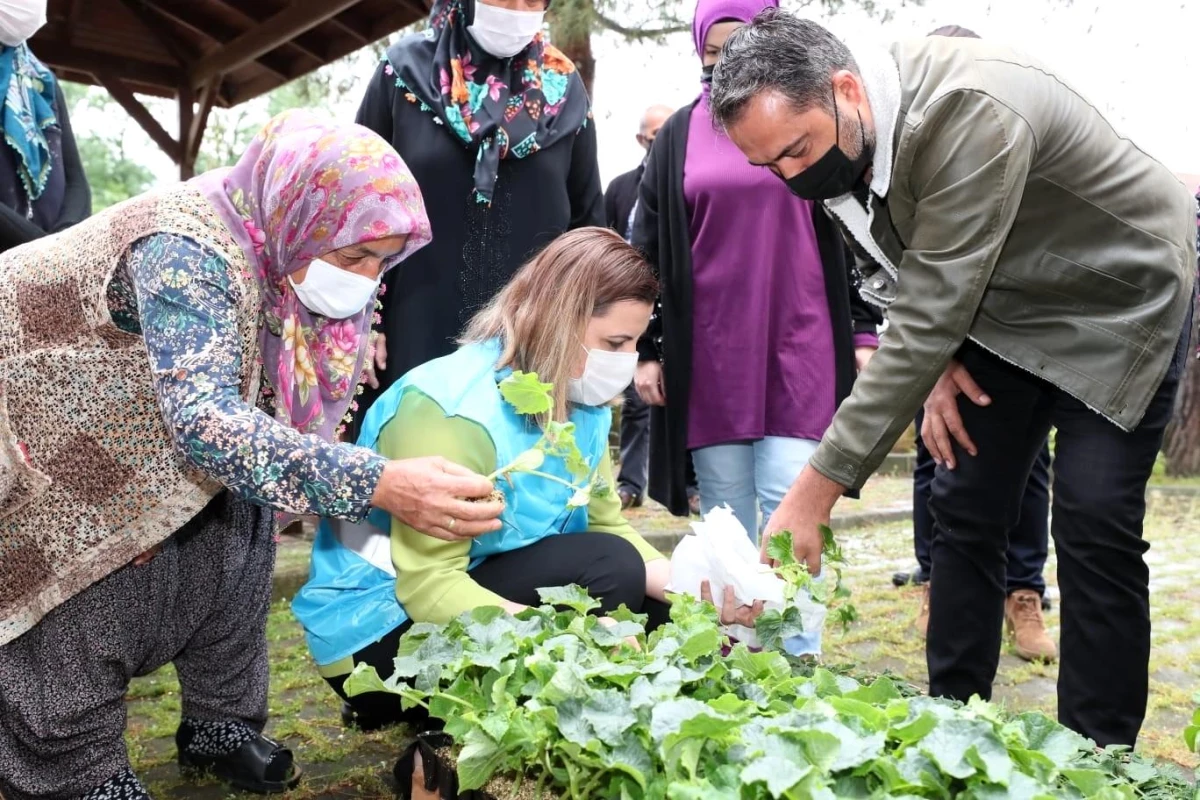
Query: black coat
[[475, 249], [66, 200], [619, 198], [661, 232]]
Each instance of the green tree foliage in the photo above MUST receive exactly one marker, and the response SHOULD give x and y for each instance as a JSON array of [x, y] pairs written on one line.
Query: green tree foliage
[[113, 176]]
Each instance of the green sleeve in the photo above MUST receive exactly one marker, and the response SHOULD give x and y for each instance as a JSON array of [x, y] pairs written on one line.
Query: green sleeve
[[431, 575], [604, 514]]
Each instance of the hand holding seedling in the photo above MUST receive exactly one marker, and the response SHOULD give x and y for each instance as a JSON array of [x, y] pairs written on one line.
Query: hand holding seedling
[[942, 420], [427, 494], [804, 511]]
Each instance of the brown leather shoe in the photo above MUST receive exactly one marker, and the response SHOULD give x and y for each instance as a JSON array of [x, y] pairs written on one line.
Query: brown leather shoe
[[1023, 615], [922, 623]]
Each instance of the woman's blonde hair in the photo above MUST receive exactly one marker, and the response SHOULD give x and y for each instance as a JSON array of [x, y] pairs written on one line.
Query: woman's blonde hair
[[541, 315]]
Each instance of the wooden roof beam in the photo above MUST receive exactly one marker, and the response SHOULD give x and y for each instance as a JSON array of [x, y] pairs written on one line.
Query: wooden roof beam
[[183, 14], [121, 93], [286, 27], [395, 20], [199, 122], [182, 51], [78, 59], [349, 30]]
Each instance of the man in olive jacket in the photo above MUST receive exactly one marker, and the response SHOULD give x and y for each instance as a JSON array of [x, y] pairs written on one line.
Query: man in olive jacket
[[1037, 269]]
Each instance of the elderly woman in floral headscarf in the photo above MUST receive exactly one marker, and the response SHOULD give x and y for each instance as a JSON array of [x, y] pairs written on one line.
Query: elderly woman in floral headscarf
[[135, 527]]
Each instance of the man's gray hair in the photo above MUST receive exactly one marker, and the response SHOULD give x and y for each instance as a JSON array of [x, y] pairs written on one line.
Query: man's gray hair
[[777, 52]]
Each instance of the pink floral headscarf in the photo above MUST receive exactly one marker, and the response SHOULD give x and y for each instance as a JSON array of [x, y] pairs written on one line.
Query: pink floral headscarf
[[307, 186]]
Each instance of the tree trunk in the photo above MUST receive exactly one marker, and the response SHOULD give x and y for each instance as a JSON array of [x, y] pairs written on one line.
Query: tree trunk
[[1181, 446], [571, 32]]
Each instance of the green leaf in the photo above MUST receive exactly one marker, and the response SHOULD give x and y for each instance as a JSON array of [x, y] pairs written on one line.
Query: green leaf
[[572, 724], [630, 756], [1088, 781], [567, 682], [610, 715], [613, 635], [914, 730], [820, 747], [669, 717], [702, 643], [573, 597], [990, 757], [526, 393], [874, 718], [879, 693], [478, 760], [774, 627], [779, 548], [1058, 743], [648, 692], [947, 745], [778, 773], [364, 679], [561, 438]]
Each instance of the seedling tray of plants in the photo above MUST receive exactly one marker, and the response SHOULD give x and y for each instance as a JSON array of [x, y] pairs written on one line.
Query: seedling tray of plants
[[551, 703]]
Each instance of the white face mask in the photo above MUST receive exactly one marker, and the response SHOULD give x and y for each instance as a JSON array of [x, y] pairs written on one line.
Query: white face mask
[[332, 292], [605, 375], [20, 19], [504, 33]]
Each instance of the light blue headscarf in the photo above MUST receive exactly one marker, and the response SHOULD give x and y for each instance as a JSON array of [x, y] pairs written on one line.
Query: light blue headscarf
[[29, 94]]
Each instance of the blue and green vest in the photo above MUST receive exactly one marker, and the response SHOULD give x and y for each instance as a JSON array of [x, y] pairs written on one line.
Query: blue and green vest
[[350, 601]]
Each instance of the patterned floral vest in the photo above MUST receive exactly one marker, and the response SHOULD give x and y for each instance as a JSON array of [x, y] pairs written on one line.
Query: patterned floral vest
[[89, 476]]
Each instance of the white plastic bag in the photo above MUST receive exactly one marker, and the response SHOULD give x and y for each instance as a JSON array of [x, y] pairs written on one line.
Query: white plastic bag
[[719, 550]]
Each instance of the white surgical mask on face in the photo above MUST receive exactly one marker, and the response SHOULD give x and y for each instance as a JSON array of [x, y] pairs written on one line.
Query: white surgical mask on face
[[332, 292], [502, 32], [20, 19], [605, 375]]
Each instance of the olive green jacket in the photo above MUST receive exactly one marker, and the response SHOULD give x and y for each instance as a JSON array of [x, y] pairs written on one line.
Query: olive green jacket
[[1006, 210]]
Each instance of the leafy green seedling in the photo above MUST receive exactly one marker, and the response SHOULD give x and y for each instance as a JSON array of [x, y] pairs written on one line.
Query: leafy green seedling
[[774, 626], [529, 396]]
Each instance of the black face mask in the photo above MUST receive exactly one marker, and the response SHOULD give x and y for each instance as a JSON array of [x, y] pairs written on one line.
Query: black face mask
[[706, 74], [833, 174]]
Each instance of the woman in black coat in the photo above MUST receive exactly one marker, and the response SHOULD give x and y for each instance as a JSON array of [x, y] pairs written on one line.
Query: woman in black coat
[[496, 126]]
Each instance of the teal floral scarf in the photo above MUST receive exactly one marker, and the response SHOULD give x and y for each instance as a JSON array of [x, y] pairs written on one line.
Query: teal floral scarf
[[507, 108], [28, 110]]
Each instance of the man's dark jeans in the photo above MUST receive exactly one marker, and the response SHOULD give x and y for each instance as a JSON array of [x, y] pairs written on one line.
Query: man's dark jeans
[[1100, 476], [1027, 541]]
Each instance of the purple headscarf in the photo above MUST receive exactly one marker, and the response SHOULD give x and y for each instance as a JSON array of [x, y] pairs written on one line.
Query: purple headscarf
[[710, 12], [307, 186]]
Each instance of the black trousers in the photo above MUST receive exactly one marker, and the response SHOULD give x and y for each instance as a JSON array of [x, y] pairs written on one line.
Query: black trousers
[[1028, 541], [1100, 476], [609, 567], [634, 472], [635, 443]]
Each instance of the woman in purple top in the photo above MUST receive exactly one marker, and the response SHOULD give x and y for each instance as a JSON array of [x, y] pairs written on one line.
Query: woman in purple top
[[760, 329]]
